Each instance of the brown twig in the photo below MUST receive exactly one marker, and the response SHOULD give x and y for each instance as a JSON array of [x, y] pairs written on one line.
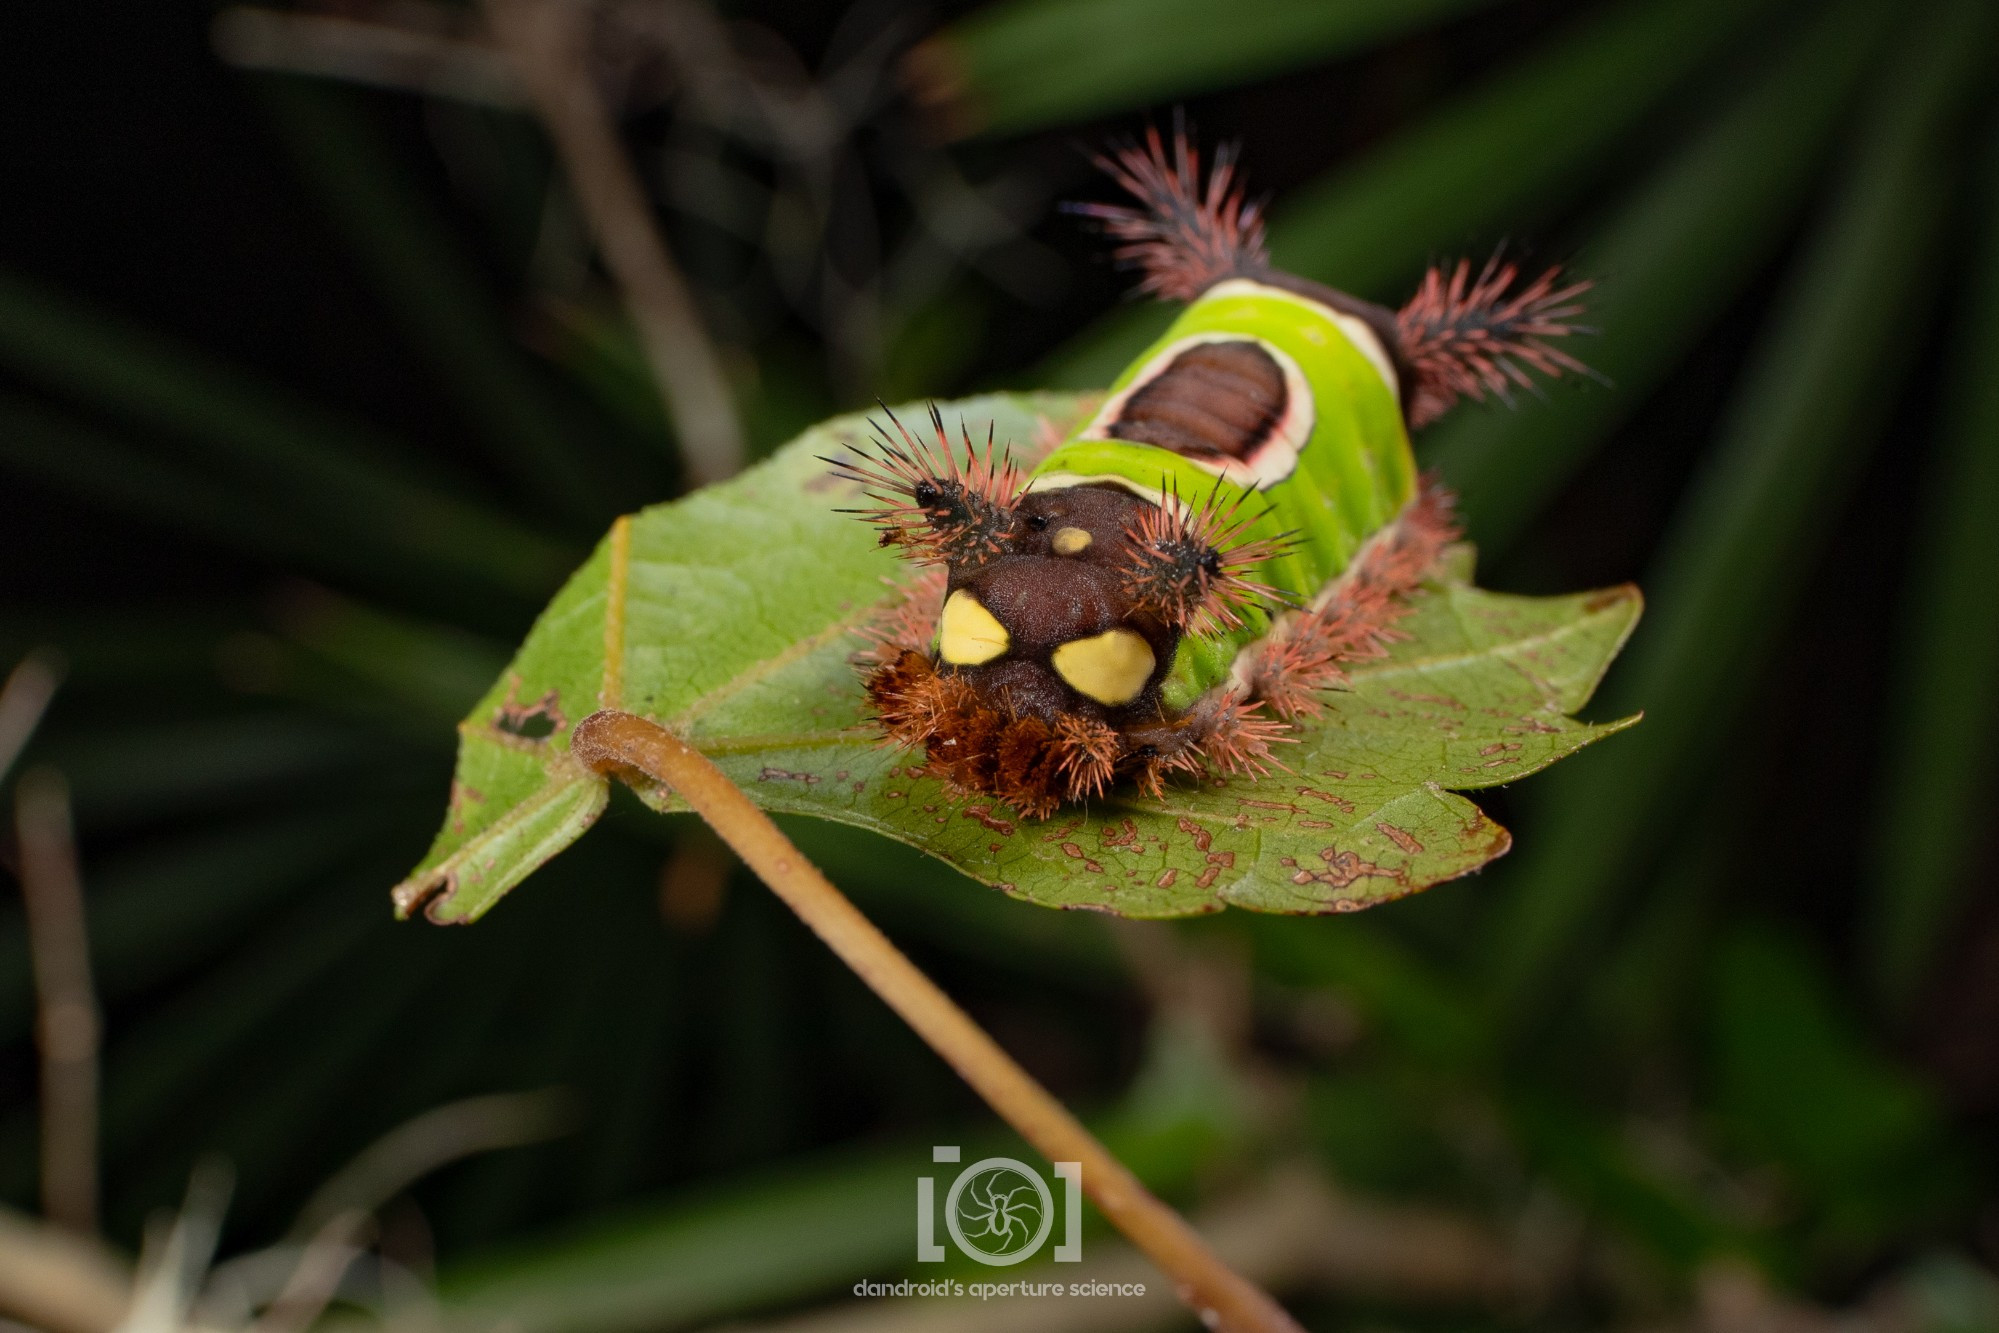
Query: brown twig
[[614, 742], [315, 1279], [53, 1279], [417, 1147], [23, 700], [66, 1028], [548, 43], [381, 55]]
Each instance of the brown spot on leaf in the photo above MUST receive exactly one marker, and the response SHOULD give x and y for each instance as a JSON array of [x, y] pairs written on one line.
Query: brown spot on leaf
[[1124, 835], [984, 814], [1341, 803], [1202, 838], [1609, 597], [1075, 853], [785, 775], [463, 797], [1342, 869], [1401, 838]]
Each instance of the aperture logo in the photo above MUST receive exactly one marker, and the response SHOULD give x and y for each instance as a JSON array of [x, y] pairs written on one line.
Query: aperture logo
[[999, 1211]]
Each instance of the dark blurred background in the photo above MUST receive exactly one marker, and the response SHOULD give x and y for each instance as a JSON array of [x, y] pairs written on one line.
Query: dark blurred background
[[313, 387]]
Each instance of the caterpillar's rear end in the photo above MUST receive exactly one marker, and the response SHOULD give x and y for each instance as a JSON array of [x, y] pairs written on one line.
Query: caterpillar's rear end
[[1173, 586]]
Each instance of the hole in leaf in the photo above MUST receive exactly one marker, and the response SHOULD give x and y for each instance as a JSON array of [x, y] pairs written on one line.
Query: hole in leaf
[[535, 721]]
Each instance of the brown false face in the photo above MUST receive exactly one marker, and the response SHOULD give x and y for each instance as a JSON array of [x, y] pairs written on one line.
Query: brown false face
[[1056, 616], [1046, 624]]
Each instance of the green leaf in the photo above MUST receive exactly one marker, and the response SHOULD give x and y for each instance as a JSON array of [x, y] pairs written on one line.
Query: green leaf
[[1818, 392], [1946, 707], [1598, 1168], [1798, 1082], [1030, 63], [731, 617]]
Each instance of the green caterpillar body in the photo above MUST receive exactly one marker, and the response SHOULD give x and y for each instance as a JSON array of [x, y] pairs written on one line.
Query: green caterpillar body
[[1337, 466], [1171, 589]]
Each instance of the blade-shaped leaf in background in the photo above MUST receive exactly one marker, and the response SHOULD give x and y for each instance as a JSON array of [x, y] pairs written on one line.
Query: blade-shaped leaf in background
[[732, 618], [1947, 705], [1029, 63], [1742, 544], [1796, 1078]]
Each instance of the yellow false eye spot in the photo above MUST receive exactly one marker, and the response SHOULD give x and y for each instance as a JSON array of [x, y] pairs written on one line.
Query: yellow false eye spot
[[1071, 541], [968, 634], [1110, 668]]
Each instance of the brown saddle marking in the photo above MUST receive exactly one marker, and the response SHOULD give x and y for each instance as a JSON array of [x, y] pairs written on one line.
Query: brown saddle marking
[[1218, 398]]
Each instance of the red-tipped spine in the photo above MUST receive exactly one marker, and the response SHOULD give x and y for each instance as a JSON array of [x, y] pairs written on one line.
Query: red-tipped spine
[[1190, 564], [1238, 737], [1186, 234], [935, 510], [1466, 337]]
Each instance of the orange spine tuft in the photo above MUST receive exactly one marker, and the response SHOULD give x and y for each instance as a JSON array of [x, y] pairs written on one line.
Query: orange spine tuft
[[1465, 338], [1185, 235], [932, 507], [1190, 565]]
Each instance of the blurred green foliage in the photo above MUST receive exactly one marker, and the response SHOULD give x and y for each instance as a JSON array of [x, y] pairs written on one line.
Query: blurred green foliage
[[1731, 999]]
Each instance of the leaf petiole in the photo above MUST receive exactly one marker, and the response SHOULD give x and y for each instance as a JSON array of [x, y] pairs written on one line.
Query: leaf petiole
[[616, 743]]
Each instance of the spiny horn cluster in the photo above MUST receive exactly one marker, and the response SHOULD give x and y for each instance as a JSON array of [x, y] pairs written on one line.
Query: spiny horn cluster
[[936, 510], [1190, 564], [1185, 236], [1464, 338]]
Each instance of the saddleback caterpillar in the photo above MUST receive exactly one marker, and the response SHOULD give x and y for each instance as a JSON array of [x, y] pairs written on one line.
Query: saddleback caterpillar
[[1169, 589]]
